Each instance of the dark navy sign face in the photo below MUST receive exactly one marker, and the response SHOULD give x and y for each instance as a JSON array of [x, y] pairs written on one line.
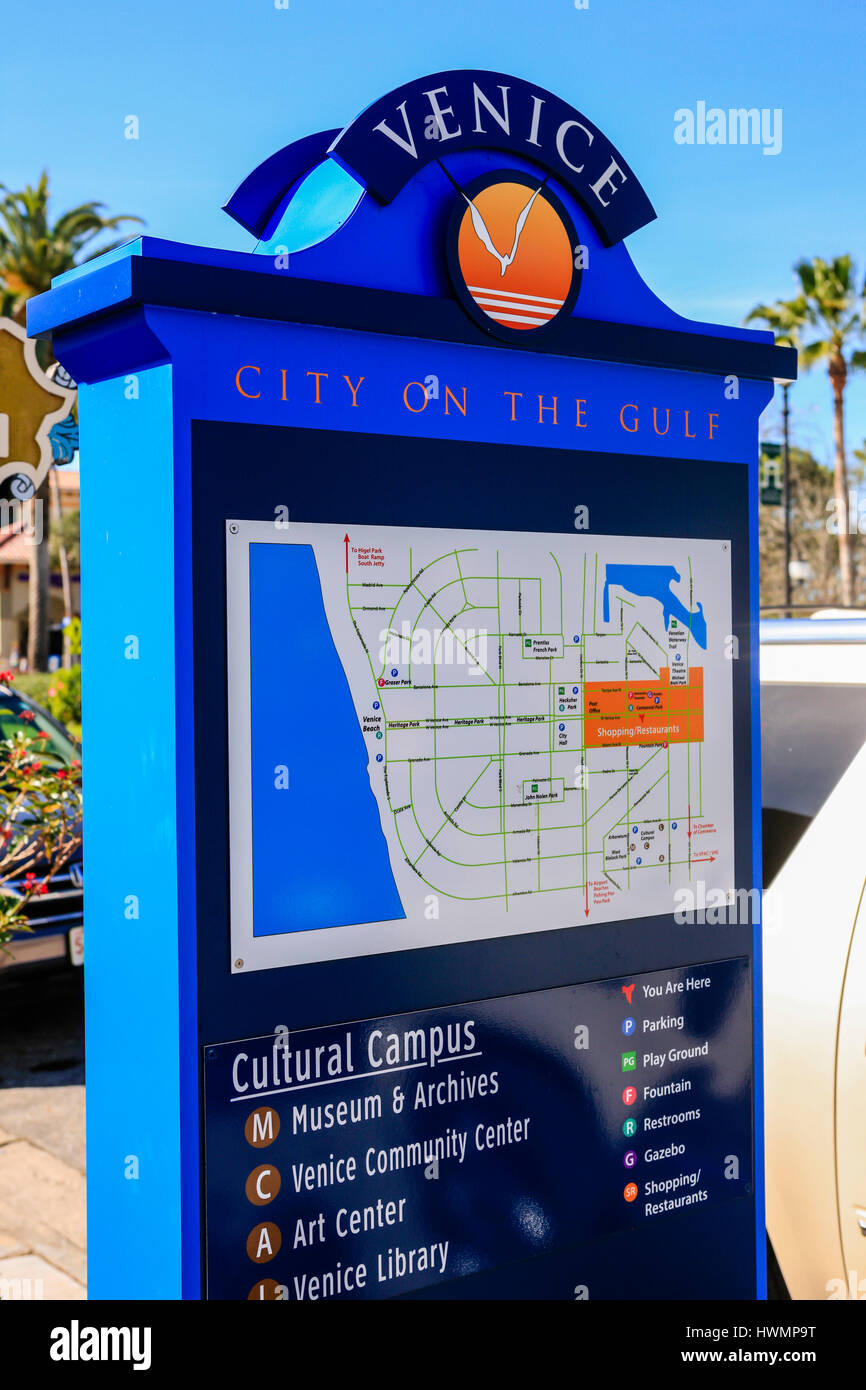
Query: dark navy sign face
[[372, 1159], [467, 110]]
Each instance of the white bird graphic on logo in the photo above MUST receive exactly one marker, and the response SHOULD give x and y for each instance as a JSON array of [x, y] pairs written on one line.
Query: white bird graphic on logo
[[485, 238]]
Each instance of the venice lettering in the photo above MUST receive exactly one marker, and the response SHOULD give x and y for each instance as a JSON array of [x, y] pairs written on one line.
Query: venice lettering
[[569, 141]]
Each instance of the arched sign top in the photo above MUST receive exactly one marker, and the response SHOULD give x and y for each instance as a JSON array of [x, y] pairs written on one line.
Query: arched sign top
[[471, 110], [255, 201]]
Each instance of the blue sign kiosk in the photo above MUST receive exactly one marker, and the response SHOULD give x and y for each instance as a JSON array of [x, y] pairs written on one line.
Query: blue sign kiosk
[[421, 757]]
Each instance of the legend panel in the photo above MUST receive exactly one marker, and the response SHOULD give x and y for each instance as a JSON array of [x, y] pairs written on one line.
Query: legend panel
[[375, 1158]]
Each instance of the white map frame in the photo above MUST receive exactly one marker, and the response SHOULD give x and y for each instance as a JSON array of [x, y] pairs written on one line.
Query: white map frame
[[712, 831]]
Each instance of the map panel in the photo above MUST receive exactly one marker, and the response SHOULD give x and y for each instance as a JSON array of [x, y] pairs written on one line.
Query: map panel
[[468, 734]]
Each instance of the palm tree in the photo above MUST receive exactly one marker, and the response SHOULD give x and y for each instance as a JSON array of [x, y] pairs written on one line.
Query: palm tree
[[830, 306], [32, 251]]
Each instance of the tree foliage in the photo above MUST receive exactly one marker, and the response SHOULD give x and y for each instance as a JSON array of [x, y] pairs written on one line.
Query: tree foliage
[[824, 322], [40, 824], [33, 248]]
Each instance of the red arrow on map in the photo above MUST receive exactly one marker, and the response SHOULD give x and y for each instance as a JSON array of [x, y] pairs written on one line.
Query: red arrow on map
[[346, 539], [690, 822], [586, 914]]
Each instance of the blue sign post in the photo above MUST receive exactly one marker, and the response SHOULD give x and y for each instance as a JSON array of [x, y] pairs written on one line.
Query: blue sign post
[[420, 700]]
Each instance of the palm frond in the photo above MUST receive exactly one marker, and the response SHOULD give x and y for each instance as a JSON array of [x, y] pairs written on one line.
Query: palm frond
[[814, 352], [33, 250]]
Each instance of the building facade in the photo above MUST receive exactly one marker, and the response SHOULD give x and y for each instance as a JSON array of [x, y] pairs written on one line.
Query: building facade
[[20, 534]]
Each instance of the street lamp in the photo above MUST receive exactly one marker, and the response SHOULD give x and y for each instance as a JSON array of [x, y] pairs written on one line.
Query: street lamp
[[786, 492]]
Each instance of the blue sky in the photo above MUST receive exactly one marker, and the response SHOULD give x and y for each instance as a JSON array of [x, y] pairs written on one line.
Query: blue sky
[[219, 85]]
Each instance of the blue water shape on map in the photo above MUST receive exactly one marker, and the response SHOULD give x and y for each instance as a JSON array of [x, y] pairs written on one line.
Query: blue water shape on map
[[320, 857], [654, 581]]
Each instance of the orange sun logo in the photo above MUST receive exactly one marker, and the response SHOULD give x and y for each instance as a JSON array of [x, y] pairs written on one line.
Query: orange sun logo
[[512, 253]]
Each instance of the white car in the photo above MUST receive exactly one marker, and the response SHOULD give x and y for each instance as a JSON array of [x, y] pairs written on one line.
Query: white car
[[813, 715]]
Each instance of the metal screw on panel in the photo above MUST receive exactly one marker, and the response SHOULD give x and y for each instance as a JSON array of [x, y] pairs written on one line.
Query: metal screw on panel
[[239, 965], [234, 528], [211, 1053]]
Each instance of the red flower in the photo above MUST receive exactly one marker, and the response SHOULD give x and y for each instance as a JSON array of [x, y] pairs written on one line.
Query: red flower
[[35, 767], [29, 878], [61, 772], [43, 735], [28, 715], [7, 677], [43, 888]]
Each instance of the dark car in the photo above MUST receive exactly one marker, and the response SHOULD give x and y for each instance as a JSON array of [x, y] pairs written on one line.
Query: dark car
[[57, 938]]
